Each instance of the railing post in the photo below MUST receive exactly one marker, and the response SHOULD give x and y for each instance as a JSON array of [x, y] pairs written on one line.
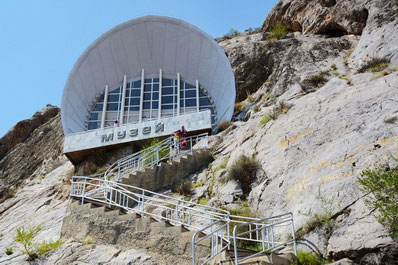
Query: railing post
[[157, 155], [143, 203], [190, 140], [228, 234], [294, 236], [262, 238], [84, 190], [118, 171]]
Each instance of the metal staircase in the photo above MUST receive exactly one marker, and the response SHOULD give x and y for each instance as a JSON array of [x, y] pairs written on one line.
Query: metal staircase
[[215, 227]]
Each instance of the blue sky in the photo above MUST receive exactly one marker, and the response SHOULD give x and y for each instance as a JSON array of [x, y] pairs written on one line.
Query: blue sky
[[41, 40]]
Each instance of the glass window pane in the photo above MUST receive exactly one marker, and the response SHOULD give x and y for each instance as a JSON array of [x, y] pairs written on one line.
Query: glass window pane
[[147, 105], [189, 86], [147, 96], [167, 99], [156, 80], [112, 106], [155, 95], [166, 82], [135, 101], [204, 102], [167, 91], [128, 85], [190, 102], [135, 92], [113, 98], [190, 93], [92, 125], [98, 107], [155, 104], [148, 80], [147, 88], [94, 116], [117, 90], [134, 108], [167, 106], [155, 87], [137, 84]]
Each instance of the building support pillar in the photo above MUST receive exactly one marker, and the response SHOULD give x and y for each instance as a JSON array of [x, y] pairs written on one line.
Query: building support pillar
[[197, 95], [104, 107], [178, 93], [142, 95], [160, 94], [123, 99]]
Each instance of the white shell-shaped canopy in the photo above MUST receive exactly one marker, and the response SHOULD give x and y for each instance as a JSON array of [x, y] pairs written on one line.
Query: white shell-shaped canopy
[[150, 43]]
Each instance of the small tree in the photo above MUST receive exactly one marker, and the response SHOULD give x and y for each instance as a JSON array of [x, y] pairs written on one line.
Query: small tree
[[382, 183], [26, 237]]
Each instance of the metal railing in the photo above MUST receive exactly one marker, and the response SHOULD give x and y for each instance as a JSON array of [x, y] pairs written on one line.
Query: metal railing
[[208, 220], [155, 154], [211, 224], [261, 233]]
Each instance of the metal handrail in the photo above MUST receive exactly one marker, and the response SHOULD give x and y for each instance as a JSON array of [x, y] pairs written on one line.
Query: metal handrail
[[153, 155], [213, 223], [264, 233]]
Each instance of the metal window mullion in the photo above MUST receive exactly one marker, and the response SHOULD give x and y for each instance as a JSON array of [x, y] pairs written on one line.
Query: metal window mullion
[[178, 93], [142, 95], [160, 94], [197, 95], [123, 99], [104, 107]]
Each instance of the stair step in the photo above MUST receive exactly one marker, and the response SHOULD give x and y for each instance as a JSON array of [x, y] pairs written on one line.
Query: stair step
[[98, 210], [113, 213], [129, 216]]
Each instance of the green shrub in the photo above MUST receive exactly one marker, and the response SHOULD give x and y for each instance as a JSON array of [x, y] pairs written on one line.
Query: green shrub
[[231, 33], [45, 247], [204, 201], [375, 65], [256, 108], [150, 153], [324, 219], [184, 188], [223, 126], [309, 258], [88, 240], [315, 81], [382, 184], [244, 170], [391, 120], [265, 120], [9, 251], [26, 238], [279, 32], [334, 67]]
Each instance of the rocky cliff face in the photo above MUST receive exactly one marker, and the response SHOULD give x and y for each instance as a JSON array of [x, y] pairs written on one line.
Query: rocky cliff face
[[337, 124], [336, 121], [30, 149]]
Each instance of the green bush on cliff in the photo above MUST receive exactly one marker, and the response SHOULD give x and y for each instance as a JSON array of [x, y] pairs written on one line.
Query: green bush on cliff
[[279, 32], [244, 170], [382, 184], [26, 237]]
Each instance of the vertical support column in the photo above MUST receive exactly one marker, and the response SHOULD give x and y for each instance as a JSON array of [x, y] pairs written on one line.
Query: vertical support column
[[160, 94], [178, 93], [123, 99], [197, 95], [142, 95], [104, 107]]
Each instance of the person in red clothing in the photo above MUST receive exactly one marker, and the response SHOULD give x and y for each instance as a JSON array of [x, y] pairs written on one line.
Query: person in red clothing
[[181, 140]]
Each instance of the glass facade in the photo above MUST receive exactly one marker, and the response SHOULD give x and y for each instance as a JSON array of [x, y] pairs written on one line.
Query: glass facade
[[155, 99]]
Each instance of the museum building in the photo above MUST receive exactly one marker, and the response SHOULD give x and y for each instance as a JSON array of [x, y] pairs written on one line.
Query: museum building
[[143, 79]]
